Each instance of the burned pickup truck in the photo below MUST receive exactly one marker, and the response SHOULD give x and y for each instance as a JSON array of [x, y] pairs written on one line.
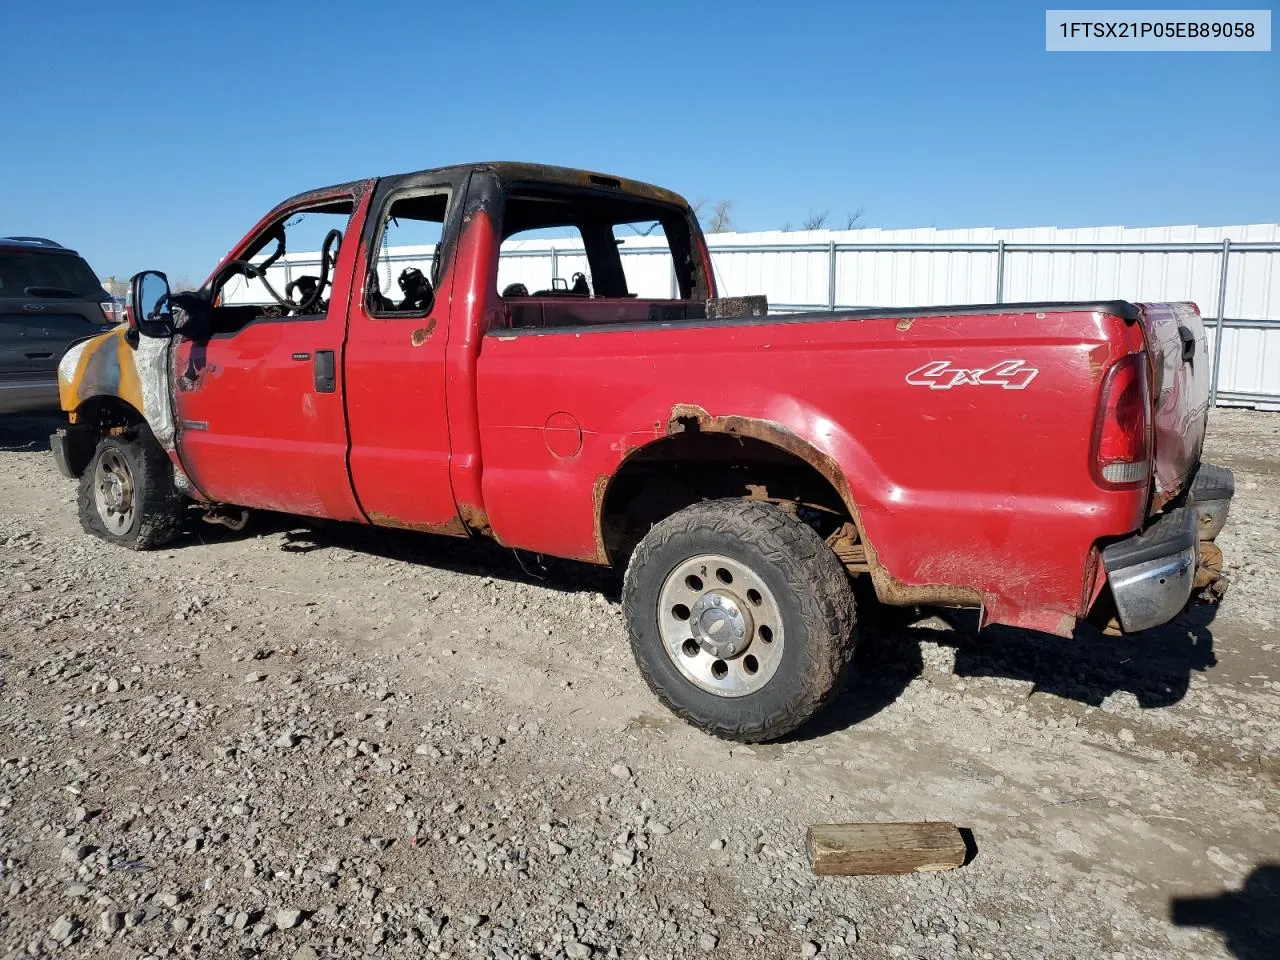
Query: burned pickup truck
[[1037, 461]]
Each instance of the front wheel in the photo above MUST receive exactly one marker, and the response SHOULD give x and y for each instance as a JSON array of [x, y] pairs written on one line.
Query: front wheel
[[127, 494], [741, 618]]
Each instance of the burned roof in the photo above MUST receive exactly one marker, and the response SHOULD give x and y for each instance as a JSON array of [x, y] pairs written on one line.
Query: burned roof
[[515, 172]]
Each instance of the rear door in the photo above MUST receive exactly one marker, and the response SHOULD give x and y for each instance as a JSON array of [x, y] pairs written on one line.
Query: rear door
[[398, 344], [1180, 360]]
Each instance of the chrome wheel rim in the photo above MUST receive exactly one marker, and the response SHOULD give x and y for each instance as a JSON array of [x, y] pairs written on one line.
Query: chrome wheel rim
[[721, 625], [113, 492]]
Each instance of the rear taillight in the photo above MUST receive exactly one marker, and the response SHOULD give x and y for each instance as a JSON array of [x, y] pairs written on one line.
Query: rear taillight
[[111, 311], [1122, 437]]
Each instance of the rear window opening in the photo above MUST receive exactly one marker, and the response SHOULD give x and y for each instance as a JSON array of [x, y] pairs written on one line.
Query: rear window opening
[[579, 257], [406, 268], [29, 275]]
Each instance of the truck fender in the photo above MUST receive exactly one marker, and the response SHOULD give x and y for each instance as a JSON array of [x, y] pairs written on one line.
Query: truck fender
[[129, 371]]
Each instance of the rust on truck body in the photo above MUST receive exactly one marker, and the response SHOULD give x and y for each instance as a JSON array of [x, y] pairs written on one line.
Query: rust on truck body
[[452, 527]]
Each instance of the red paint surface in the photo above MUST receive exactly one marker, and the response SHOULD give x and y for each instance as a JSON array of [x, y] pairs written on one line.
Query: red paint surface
[[976, 486], [399, 423], [252, 430]]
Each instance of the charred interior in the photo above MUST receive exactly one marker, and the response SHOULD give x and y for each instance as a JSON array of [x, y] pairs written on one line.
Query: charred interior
[[321, 226], [603, 294]]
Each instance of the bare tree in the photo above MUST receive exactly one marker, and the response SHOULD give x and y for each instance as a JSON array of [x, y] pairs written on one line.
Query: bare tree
[[852, 220], [786, 227], [815, 221], [721, 219], [181, 283]]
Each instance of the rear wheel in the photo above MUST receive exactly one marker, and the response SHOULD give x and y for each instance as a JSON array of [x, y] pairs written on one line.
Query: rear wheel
[[127, 494], [741, 618]]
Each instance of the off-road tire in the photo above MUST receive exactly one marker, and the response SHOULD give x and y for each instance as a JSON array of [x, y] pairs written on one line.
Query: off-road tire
[[159, 507], [811, 589]]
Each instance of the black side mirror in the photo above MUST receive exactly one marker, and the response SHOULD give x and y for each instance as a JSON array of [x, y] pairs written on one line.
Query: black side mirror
[[149, 304]]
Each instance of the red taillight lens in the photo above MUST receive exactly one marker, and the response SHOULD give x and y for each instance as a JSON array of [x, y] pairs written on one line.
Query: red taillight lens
[[1122, 437], [110, 311]]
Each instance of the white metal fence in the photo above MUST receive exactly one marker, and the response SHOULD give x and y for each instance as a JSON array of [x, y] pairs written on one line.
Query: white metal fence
[[1232, 273]]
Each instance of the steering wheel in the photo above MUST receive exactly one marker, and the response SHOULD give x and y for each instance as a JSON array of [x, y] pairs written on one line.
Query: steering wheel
[[328, 255]]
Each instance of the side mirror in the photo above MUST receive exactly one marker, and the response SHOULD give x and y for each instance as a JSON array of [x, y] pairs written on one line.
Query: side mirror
[[149, 303]]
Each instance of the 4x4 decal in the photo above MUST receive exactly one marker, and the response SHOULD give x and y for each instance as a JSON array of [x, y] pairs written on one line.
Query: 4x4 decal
[[941, 375]]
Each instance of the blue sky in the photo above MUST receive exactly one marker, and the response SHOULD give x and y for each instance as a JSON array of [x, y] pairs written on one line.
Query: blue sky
[[155, 134]]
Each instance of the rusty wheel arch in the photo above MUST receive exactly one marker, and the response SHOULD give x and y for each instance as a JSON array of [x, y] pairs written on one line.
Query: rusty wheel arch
[[687, 419], [691, 418]]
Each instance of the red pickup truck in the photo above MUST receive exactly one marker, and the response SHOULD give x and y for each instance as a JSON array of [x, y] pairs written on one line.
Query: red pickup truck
[[1038, 461]]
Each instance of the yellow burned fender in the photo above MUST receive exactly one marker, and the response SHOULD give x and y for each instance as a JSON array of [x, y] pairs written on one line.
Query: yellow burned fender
[[100, 366], [109, 366]]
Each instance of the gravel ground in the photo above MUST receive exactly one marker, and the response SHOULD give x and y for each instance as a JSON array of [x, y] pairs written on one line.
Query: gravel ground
[[333, 742]]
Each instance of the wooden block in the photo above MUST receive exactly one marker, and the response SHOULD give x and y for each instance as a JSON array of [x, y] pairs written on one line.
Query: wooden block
[[852, 849]]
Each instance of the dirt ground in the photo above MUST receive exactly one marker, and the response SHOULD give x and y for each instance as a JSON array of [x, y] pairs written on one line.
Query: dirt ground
[[336, 742]]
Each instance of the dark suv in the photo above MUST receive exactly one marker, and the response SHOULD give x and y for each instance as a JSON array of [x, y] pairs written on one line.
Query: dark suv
[[49, 298]]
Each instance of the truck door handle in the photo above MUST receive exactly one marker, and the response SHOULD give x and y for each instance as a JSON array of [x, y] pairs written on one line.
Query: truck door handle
[[326, 377]]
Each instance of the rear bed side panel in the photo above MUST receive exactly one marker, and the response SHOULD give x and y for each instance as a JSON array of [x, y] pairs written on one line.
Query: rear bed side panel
[[965, 468]]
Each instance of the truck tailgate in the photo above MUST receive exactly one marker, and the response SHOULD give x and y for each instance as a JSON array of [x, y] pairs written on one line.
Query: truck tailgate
[[1181, 368]]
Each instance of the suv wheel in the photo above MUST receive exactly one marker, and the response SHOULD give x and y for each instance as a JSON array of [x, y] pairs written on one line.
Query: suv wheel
[[741, 618], [127, 494]]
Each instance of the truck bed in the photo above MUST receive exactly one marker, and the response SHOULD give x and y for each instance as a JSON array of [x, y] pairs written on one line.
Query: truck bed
[[960, 435]]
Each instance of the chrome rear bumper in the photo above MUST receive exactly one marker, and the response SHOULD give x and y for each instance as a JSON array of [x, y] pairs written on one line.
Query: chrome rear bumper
[[1151, 574]]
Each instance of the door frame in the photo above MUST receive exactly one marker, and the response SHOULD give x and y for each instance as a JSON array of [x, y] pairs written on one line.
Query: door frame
[[380, 445], [358, 194]]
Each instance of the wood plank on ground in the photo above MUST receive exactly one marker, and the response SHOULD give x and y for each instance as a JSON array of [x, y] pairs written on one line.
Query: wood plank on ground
[[851, 849]]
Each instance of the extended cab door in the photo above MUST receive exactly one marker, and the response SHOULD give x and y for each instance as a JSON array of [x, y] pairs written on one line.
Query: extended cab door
[[259, 400], [397, 341]]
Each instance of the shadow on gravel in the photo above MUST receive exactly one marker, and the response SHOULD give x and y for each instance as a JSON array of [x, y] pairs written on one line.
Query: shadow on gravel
[[28, 432], [1155, 666], [1248, 920], [475, 557]]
